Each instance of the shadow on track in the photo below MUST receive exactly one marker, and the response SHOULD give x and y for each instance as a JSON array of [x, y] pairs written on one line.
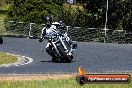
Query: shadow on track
[[54, 62], [47, 61]]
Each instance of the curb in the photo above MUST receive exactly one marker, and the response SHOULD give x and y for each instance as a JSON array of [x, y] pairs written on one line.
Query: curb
[[21, 60]]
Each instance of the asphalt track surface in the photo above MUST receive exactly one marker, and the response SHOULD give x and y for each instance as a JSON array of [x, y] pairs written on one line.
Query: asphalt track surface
[[93, 57]]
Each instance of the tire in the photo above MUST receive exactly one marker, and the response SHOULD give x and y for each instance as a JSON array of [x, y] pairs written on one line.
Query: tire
[[1, 40], [65, 57], [52, 53], [54, 59]]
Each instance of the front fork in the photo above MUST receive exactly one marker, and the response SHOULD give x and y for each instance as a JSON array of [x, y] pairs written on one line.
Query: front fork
[[55, 47], [63, 44], [71, 50]]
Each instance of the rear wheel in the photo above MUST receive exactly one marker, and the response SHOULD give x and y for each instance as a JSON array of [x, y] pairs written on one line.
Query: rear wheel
[[65, 57]]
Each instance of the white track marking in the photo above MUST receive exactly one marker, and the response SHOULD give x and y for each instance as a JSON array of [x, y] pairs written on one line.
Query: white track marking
[[21, 60]]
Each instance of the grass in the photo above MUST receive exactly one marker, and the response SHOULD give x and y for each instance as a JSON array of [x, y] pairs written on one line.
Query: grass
[[63, 83], [5, 58]]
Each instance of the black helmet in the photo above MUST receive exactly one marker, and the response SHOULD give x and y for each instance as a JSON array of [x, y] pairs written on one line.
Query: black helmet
[[48, 20]]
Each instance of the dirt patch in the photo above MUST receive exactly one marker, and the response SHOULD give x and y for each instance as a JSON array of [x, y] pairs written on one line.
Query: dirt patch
[[22, 77]]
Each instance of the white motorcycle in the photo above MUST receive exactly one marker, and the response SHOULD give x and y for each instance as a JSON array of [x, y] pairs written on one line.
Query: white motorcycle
[[62, 46]]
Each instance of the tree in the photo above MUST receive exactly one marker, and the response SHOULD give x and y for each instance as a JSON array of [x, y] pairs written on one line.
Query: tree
[[33, 10], [119, 13]]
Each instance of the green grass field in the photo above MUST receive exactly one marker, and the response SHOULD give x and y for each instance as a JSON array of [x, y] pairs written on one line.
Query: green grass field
[[65, 83], [5, 58]]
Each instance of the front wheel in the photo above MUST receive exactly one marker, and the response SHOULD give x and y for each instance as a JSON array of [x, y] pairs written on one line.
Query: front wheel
[[65, 57]]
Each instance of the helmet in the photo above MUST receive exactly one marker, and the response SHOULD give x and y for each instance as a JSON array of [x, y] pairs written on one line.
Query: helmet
[[48, 20]]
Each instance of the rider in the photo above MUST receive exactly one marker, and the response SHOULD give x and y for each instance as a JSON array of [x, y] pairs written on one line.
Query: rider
[[48, 31]]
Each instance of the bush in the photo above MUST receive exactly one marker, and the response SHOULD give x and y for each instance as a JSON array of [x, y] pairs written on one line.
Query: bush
[[33, 10]]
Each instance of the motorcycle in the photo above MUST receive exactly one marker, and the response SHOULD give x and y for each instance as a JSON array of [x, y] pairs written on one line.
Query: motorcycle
[[61, 47]]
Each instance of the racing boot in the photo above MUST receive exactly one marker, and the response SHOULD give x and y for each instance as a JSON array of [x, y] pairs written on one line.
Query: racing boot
[[73, 48]]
